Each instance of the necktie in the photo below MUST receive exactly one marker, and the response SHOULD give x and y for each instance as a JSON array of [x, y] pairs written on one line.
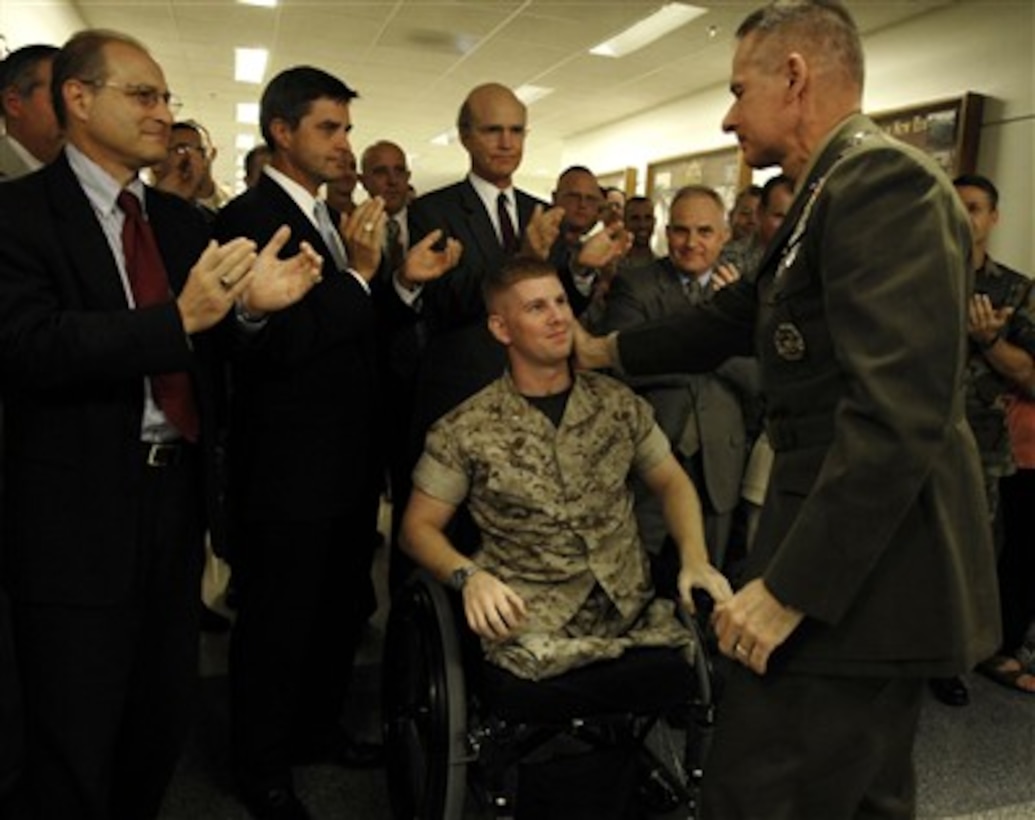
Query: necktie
[[172, 392], [693, 290], [329, 234], [394, 245], [508, 237]]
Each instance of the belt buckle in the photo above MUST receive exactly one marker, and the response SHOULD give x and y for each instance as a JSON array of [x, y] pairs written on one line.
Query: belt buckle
[[163, 454]]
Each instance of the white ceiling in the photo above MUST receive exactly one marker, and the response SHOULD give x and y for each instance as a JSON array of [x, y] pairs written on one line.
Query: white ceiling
[[413, 62]]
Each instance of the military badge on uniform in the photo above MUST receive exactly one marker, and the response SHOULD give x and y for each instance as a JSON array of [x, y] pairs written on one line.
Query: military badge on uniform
[[789, 343]]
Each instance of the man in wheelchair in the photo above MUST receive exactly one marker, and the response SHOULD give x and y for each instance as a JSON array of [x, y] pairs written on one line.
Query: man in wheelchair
[[542, 457]]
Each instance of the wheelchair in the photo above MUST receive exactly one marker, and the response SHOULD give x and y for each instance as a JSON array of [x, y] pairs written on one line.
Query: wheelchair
[[456, 741]]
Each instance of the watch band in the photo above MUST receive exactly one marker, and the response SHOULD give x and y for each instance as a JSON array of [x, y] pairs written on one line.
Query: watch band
[[458, 579]]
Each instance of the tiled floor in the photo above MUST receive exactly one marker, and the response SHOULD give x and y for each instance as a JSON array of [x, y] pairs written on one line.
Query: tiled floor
[[973, 763]]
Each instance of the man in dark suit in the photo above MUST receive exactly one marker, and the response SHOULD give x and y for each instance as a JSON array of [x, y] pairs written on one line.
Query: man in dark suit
[[385, 173], [31, 136], [461, 356], [302, 462], [872, 568], [703, 414], [109, 399]]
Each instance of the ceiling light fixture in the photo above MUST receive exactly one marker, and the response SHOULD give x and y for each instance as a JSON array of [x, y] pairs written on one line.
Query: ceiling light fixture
[[250, 64], [248, 113], [529, 94], [445, 138], [664, 21], [269, 4]]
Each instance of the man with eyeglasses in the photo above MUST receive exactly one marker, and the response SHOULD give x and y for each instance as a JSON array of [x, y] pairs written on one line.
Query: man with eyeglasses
[[182, 172], [106, 291], [578, 192]]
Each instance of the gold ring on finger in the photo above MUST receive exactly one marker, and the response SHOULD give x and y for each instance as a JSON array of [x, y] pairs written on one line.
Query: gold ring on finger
[[368, 227], [226, 282]]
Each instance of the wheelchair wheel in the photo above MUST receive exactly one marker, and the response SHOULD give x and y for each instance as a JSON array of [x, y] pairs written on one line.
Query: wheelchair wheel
[[424, 705]]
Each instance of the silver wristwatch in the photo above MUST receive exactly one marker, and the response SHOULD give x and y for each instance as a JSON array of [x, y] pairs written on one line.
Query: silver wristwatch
[[459, 577]]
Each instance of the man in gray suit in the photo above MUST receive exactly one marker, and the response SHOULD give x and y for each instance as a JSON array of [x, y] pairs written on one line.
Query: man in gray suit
[[33, 137], [702, 414], [872, 569]]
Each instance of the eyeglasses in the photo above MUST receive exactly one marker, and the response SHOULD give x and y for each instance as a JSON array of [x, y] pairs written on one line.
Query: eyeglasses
[[146, 96], [183, 149], [593, 200]]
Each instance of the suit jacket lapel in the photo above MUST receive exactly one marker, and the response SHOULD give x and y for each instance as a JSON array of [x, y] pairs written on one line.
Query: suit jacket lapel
[[481, 225], [302, 227], [82, 241]]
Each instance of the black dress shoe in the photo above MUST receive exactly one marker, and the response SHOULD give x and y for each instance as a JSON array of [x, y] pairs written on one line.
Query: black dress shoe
[[340, 750], [950, 691], [274, 804]]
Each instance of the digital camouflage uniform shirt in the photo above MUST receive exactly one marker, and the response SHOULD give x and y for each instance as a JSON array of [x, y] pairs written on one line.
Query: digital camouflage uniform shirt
[[556, 518], [987, 391]]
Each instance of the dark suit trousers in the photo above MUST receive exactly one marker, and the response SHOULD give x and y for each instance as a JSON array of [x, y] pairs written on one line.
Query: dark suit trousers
[[10, 709], [794, 747], [303, 588], [109, 690]]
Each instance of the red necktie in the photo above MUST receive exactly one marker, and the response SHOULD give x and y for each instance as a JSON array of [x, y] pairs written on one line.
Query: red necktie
[[147, 279], [510, 243], [393, 234]]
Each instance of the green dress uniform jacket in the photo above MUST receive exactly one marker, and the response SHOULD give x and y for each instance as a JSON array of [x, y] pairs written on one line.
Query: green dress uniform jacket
[[873, 525]]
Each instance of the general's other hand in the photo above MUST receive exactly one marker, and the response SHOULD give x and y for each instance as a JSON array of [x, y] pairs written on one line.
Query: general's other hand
[[753, 624]]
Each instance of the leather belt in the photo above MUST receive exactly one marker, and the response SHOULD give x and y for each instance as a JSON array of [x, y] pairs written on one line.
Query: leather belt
[[163, 453]]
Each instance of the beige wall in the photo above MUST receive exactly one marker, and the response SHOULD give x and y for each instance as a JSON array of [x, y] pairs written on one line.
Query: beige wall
[[983, 47]]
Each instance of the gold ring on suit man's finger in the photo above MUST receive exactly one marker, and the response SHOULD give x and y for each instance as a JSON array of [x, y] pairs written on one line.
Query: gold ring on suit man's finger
[[226, 282]]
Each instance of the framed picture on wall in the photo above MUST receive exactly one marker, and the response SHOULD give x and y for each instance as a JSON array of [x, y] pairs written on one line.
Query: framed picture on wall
[[624, 180], [948, 130]]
